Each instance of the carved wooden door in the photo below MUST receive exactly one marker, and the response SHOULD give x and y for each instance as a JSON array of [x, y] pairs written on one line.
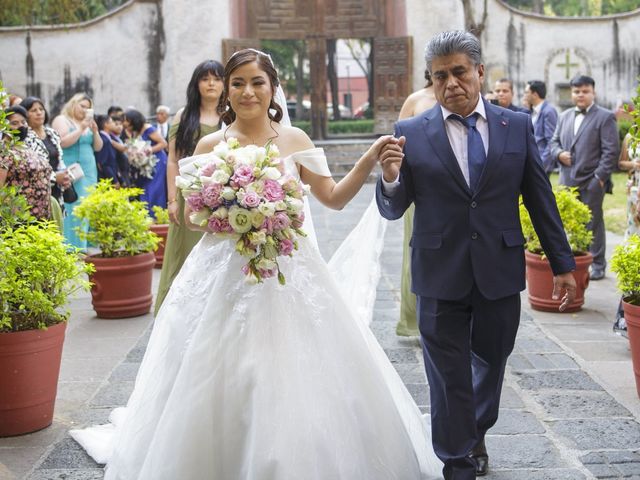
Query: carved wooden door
[[392, 71]]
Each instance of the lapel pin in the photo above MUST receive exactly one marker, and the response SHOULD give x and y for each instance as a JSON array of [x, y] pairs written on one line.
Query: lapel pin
[[504, 123]]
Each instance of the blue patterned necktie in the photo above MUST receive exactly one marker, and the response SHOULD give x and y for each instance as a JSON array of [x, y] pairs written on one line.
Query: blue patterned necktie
[[476, 156]]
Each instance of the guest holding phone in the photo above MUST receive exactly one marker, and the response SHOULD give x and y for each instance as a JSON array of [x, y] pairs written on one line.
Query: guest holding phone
[[80, 138]]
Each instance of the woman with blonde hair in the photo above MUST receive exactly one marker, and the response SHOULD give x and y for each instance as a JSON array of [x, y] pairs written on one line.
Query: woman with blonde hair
[[79, 138]]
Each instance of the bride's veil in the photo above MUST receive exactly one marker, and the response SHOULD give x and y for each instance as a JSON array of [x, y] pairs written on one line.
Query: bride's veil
[[355, 265]]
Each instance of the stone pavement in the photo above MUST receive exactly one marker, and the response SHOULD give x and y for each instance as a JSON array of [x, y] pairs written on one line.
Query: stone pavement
[[569, 407]]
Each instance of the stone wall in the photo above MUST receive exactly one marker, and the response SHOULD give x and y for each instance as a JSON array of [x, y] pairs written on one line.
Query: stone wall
[[141, 54], [525, 46]]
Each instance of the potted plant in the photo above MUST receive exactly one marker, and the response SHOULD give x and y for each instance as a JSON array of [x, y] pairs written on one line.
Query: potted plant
[[625, 262], [575, 216], [37, 274], [119, 227], [161, 228]]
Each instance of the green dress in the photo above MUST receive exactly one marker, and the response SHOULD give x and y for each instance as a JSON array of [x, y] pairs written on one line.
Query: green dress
[[408, 325], [180, 240]]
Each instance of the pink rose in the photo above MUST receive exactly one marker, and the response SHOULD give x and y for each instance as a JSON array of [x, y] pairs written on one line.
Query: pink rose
[[251, 199], [273, 191], [218, 225], [195, 202], [243, 176], [264, 273], [285, 247], [281, 221], [208, 170], [211, 195], [298, 220], [267, 225]]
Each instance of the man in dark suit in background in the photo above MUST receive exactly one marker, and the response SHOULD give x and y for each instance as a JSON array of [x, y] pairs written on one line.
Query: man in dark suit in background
[[503, 92], [544, 119], [465, 164], [587, 146]]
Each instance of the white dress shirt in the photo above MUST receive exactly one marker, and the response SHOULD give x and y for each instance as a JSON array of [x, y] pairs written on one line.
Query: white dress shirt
[[457, 134], [579, 118], [535, 113]]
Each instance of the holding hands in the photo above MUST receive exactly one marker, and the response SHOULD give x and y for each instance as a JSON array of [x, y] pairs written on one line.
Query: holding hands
[[391, 158]]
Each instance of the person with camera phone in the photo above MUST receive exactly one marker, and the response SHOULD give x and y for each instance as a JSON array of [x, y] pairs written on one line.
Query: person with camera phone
[[80, 138]]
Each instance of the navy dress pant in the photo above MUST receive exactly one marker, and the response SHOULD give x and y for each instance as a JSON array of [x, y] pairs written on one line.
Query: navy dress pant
[[465, 344]]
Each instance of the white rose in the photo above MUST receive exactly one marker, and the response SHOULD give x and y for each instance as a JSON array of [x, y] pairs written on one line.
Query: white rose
[[220, 176], [272, 173], [220, 213], [267, 209], [294, 205], [265, 263], [221, 149], [200, 218], [182, 182], [280, 205], [228, 193], [274, 151]]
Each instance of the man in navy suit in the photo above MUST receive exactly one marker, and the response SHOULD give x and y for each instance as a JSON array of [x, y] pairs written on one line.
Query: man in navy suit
[[503, 91], [544, 119], [465, 164]]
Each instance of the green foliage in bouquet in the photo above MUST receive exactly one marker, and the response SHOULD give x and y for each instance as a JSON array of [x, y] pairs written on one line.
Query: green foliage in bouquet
[[161, 214], [625, 262], [575, 216], [38, 271], [634, 129], [118, 224]]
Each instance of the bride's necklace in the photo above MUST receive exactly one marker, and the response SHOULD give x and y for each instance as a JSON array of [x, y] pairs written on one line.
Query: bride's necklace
[[251, 138]]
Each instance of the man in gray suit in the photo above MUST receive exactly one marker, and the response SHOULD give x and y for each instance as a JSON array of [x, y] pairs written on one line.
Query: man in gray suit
[[586, 144]]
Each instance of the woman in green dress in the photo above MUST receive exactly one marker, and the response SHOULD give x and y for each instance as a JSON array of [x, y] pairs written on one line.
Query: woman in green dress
[[199, 117], [415, 104]]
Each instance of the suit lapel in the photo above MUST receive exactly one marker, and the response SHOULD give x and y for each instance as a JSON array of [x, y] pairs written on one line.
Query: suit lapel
[[436, 132], [498, 128], [588, 118]]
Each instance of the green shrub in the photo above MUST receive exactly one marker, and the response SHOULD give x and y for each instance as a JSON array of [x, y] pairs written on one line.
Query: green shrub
[[350, 126], [118, 226], [161, 214], [575, 216], [625, 262], [38, 271], [623, 128]]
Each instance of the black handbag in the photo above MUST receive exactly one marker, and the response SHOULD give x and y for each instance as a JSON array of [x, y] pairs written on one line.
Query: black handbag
[[69, 194]]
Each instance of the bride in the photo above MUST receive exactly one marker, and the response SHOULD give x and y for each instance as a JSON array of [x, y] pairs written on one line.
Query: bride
[[265, 382]]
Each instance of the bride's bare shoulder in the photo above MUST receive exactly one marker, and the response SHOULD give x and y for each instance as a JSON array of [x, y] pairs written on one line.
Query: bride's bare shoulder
[[207, 142], [294, 138]]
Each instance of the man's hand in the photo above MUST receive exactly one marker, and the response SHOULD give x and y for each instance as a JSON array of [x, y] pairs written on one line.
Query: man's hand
[[566, 282], [391, 159], [565, 158]]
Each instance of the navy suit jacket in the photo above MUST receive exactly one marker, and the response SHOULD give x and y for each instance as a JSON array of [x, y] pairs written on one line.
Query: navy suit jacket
[[461, 238], [543, 132]]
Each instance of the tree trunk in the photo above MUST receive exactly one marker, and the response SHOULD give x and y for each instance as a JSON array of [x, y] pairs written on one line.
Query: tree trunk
[[332, 75], [302, 53], [538, 6], [470, 23]]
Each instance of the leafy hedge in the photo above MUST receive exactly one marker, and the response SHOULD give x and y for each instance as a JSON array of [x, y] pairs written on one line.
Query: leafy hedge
[[339, 127]]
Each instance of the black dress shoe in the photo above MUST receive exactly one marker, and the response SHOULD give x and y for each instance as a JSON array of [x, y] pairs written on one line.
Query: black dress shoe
[[480, 457]]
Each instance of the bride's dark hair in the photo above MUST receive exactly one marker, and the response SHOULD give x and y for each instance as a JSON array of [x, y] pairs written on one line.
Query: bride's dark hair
[[189, 126], [263, 60]]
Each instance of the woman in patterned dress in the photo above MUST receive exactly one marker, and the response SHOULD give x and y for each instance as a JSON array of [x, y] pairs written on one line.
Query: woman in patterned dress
[[25, 168]]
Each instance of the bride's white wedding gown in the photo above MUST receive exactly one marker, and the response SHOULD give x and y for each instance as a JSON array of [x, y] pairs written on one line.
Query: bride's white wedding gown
[[265, 382]]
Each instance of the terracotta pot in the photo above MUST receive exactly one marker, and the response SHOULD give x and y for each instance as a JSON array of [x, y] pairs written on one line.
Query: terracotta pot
[[29, 368], [632, 317], [122, 285], [540, 282], [161, 231]]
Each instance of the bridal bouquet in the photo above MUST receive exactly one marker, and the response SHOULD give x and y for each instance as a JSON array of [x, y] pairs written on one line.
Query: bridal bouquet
[[243, 192], [141, 157]]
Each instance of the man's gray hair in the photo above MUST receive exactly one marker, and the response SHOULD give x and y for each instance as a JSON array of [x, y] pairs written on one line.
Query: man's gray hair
[[451, 43]]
